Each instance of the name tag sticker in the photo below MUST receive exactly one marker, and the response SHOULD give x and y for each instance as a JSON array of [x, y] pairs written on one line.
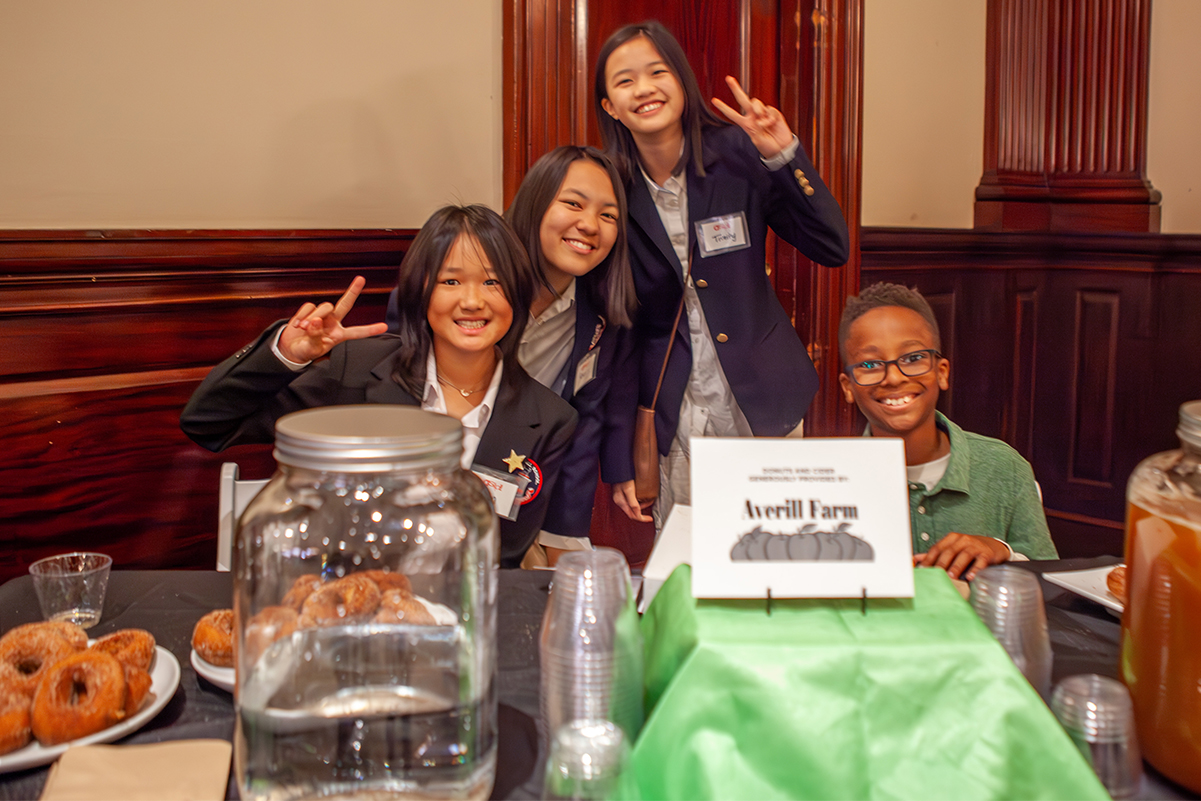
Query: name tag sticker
[[800, 518], [722, 234], [505, 490], [585, 371]]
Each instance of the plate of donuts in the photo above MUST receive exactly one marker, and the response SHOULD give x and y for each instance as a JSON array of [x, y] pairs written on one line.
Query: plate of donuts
[[223, 677], [164, 679]]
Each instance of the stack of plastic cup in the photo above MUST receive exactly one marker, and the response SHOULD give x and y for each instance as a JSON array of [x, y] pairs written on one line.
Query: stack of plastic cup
[[1009, 602], [588, 759], [591, 649], [1096, 712]]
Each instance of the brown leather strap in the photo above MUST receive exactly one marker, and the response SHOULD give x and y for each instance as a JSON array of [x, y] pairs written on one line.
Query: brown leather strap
[[674, 326]]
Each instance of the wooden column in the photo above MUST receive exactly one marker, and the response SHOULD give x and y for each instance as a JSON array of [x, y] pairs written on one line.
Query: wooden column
[[821, 94], [1065, 123]]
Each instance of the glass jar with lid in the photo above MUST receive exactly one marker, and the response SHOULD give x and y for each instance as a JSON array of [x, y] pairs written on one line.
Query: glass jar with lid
[[365, 613], [1161, 649]]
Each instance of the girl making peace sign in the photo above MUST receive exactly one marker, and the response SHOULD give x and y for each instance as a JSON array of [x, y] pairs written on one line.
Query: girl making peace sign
[[701, 194]]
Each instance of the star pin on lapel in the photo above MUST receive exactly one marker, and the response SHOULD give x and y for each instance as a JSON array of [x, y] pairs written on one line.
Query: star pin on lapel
[[514, 461]]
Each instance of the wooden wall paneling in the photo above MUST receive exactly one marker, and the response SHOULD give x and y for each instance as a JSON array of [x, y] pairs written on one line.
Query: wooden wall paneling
[[1066, 117], [1019, 416], [107, 335], [1093, 382]]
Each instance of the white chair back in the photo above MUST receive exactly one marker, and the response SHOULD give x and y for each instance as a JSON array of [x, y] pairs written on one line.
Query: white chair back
[[232, 497]]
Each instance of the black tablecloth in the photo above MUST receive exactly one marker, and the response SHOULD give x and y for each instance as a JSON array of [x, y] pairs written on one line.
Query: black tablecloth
[[167, 603], [1084, 638]]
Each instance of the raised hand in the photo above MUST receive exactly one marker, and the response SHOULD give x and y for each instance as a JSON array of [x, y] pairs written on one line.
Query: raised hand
[[314, 330], [764, 124]]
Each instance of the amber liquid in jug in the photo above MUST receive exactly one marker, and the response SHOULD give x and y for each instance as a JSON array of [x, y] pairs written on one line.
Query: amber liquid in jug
[[1161, 646]]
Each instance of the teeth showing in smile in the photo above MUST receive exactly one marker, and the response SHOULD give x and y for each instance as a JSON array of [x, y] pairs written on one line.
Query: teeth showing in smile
[[901, 401], [582, 247], [647, 108], [471, 324]]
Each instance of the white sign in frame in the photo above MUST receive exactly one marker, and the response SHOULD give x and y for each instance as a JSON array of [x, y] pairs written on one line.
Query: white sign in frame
[[800, 518]]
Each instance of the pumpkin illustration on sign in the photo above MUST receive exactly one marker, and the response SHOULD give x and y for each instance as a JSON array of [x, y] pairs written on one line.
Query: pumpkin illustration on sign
[[805, 545]]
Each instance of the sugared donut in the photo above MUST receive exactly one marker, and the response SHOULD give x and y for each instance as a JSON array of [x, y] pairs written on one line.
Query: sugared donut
[[26, 654], [137, 687], [350, 599], [1116, 582], [301, 589], [14, 721], [269, 625], [398, 606], [213, 638], [387, 580], [78, 696], [129, 646], [71, 632]]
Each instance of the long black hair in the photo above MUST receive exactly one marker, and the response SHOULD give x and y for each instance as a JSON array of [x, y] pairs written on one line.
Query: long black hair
[[610, 284], [419, 274], [696, 117]]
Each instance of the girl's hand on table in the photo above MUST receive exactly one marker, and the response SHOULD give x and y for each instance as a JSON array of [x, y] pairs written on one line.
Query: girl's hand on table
[[765, 125], [957, 553], [314, 330]]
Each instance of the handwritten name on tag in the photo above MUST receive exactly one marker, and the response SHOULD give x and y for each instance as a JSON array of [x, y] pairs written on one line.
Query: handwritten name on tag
[[722, 234]]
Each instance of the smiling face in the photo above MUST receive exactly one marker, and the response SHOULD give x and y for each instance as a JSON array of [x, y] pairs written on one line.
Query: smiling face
[[900, 405], [580, 224], [642, 92], [468, 312]]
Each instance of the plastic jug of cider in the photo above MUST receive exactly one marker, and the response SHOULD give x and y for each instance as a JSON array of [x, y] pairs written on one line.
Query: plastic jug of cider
[[1161, 625]]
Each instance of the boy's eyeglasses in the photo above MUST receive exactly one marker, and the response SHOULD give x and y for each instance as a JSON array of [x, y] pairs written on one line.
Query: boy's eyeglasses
[[872, 372]]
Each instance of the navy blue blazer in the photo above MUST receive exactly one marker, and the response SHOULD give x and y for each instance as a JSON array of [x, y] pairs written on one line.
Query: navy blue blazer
[[569, 513], [764, 360], [240, 400]]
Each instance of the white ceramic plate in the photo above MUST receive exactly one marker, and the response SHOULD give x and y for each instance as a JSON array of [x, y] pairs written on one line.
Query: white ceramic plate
[[223, 677], [164, 678], [1090, 584]]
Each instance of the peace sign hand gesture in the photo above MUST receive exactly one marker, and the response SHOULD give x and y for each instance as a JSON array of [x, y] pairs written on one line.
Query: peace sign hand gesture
[[314, 330], [764, 124]]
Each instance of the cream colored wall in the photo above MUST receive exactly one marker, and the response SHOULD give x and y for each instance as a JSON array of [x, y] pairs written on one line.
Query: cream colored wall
[[923, 111], [1174, 113], [923, 115], [247, 113]]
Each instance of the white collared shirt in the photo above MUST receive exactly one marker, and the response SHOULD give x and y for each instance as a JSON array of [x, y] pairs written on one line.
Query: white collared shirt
[[549, 339], [475, 421]]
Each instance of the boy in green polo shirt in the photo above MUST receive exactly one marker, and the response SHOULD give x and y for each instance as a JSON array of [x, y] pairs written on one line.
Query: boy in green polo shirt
[[972, 499]]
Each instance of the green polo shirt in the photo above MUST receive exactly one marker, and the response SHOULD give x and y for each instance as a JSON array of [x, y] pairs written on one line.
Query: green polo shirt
[[988, 490]]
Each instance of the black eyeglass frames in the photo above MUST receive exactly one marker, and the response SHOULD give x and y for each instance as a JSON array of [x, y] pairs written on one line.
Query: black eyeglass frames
[[871, 372]]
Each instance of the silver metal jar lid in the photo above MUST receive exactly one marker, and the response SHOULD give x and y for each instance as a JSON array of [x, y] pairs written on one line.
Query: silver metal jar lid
[[1189, 429], [368, 438]]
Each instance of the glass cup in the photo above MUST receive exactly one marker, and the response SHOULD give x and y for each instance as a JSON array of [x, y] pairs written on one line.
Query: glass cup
[[71, 586], [1097, 714], [1010, 603], [588, 759]]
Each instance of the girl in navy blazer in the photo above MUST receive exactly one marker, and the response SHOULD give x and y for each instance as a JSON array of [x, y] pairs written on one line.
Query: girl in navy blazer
[[465, 290], [570, 213], [702, 194]]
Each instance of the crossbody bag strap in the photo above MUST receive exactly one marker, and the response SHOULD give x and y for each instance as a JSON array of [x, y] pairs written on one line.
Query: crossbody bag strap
[[674, 326]]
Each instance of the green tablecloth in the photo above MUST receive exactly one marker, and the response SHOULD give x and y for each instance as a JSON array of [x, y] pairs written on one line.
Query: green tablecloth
[[914, 700]]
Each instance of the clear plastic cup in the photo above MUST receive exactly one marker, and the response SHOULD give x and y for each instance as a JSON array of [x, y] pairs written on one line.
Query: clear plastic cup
[[1010, 603], [591, 647], [1097, 714], [71, 586], [588, 759]]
